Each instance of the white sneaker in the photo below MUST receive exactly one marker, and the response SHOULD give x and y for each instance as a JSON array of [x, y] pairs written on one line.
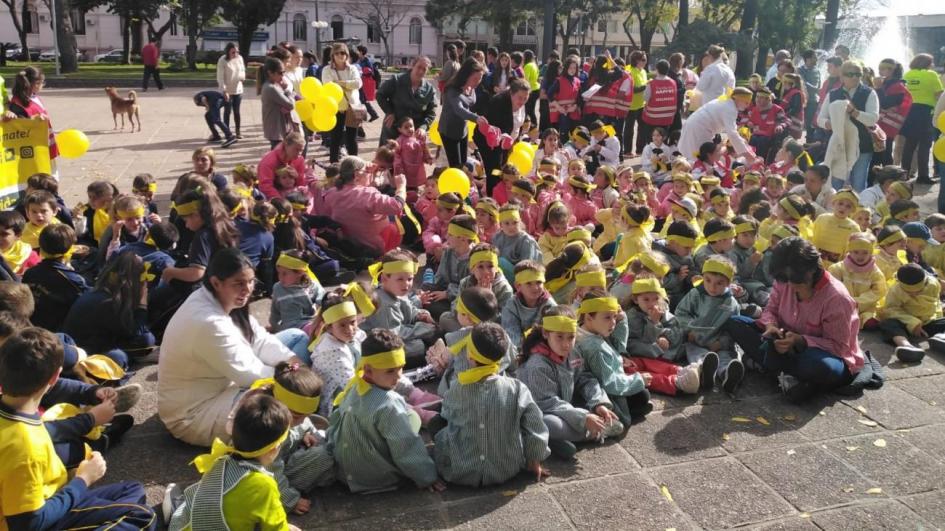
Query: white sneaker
[[614, 429], [128, 396], [687, 379], [173, 497], [937, 342]]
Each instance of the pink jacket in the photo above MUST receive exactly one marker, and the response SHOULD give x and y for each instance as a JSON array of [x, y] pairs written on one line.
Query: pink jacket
[[828, 321], [426, 208], [666, 205], [583, 210], [266, 170], [410, 157], [363, 213], [434, 235], [500, 193]]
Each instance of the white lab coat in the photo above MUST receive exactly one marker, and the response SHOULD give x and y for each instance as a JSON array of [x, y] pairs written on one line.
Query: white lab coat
[[715, 80], [719, 116], [205, 364], [843, 148]]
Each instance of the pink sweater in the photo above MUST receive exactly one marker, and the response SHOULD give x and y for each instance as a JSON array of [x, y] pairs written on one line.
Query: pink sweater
[[828, 320], [266, 170], [363, 213], [426, 208], [583, 210], [410, 157], [434, 235]]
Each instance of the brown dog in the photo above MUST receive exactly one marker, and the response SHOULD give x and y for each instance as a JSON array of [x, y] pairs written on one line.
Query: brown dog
[[122, 106]]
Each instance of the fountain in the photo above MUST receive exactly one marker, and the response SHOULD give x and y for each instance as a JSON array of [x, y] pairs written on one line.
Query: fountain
[[875, 31]]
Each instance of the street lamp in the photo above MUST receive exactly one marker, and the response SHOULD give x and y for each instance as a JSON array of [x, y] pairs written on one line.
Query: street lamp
[[318, 25]]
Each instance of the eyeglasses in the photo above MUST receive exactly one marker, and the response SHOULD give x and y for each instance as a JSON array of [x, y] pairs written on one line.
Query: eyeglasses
[[342, 53], [852, 74]]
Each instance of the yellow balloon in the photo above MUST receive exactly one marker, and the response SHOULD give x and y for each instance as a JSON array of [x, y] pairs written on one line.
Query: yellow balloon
[[453, 180], [525, 148], [434, 133], [521, 161], [939, 149], [325, 105], [72, 143], [472, 129], [333, 91], [310, 88], [304, 109], [941, 123], [324, 121]]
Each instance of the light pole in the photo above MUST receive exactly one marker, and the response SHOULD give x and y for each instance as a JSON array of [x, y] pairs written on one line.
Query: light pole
[[55, 36], [318, 25]]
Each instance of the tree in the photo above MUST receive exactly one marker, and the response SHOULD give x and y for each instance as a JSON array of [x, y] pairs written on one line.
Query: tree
[[683, 19], [649, 15], [18, 25], [583, 14], [831, 19], [501, 14], [248, 15], [723, 13], [382, 16], [792, 29], [65, 37], [698, 36], [745, 43], [197, 15]]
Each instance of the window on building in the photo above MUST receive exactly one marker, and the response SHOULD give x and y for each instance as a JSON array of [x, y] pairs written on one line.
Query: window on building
[[526, 27], [299, 28], [373, 29], [30, 20], [337, 27], [78, 20], [416, 31], [602, 26]]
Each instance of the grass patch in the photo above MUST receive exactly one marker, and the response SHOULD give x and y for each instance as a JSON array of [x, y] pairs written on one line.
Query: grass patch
[[109, 71]]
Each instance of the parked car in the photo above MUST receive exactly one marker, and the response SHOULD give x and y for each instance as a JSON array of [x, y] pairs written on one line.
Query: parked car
[[48, 56], [16, 54], [114, 56]]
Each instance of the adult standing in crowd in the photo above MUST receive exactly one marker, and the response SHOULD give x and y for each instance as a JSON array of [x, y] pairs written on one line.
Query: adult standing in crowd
[[231, 72], [635, 116], [779, 57], [370, 77], [151, 59], [810, 75], [862, 110], [278, 101], [459, 100], [407, 94], [718, 116], [450, 67], [894, 104], [661, 97], [925, 86], [717, 78], [531, 75], [678, 73], [347, 76], [507, 112]]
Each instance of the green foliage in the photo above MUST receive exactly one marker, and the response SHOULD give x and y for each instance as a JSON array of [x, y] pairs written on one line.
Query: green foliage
[[792, 28], [247, 15], [698, 36], [501, 14]]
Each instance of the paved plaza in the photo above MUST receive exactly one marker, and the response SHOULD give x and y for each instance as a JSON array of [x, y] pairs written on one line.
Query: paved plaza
[[874, 462]]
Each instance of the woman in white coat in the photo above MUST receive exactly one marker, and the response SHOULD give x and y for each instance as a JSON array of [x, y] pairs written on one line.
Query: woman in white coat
[[717, 78], [348, 77], [213, 350], [231, 72], [719, 116]]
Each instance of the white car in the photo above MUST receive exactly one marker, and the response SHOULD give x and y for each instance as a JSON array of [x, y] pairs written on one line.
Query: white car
[[114, 56], [48, 56]]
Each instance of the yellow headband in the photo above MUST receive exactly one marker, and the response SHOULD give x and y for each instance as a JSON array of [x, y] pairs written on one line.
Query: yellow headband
[[751, 176], [859, 244], [339, 311], [849, 195], [523, 191], [188, 208], [710, 180], [529, 275], [510, 215], [485, 368], [683, 177], [744, 227], [242, 191], [462, 308], [906, 212], [685, 241], [295, 264], [204, 462], [599, 304], [559, 323], [446, 204], [901, 189], [577, 183], [301, 404], [781, 231], [789, 208], [775, 177], [893, 238], [488, 208], [591, 279], [390, 268], [555, 284], [679, 211], [483, 256], [299, 206], [648, 285], [149, 187], [651, 263], [720, 235], [390, 359], [462, 232], [579, 234], [913, 288], [361, 299], [65, 257], [625, 216], [136, 213], [714, 265], [720, 199], [642, 175]]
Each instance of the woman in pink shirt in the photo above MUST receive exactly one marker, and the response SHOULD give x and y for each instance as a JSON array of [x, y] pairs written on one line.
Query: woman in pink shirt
[[807, 335], [363, 212], [288, 153]]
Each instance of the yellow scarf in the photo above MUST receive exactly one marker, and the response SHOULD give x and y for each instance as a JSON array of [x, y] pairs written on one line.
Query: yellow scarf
[[101, 219], [390, 359], [17, 254], [485, 368]]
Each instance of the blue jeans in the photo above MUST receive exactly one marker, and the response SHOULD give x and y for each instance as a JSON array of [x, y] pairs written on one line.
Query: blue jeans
[[296, 340], [214, 120], [119, 506], [858, 174]]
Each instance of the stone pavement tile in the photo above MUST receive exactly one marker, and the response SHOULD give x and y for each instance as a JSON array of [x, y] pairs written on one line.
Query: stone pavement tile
[[822, 417], [534, 509], [788, 524], [524, 482], [156, 459], [894, 408], [928, 438], [593, 460], [720, 493], [629, 501], [669, 437], [756, 385], [933, 363], [336, 503], [393, 520], [807, 476], [746, 432], [885, 514], [930, 506], [928, 389], [898, 468], [147, 421]]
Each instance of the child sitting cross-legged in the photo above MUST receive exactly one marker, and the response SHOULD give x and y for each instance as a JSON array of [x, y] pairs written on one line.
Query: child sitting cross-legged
[[236, 490], [677, 248], [435, 232], [862, 277], [832, 230], [41, 211], [483, 273], [530, 300], [512, 243], [297, 293], [494, 427], [560, 272], [335, 349], [554, 227], [913, 309], [574, 406], [454, 265], [373, 433], [37, 491], [54, 283], [892, 251], [720, 238], [18, 254]]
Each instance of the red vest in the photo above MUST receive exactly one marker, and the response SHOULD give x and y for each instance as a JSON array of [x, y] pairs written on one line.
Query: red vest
[[797, 119], [764, 122], [660, 108], [565, 101], [602, 102], [622, 100], [892, 118]]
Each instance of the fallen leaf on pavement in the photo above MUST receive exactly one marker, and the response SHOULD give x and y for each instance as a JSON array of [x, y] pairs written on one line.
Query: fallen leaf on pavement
[[879, 443], [791, 452], [664, 490], [741, 419], [762, 420], [874, 490], [852, 448], [866, 422]]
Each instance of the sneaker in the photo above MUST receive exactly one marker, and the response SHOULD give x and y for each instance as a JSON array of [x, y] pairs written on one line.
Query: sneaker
[[733, 376], [687, 380], [562, 449], [937, 342], [128, 396], [117, 429], [173, 498], [710, 365], [639, 414], [801, 392], [213, 139], [229, 142], [787, 382], [910, 353], [751, 310], [614, 429]]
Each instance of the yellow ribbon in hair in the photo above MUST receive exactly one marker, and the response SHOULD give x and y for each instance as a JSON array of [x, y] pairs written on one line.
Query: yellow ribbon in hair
[[720, 235], [577, 183], [648, 285], [789, 207], [806, 156], [485, 368], [599, 304], [462, 232], [901, 190], [65, 257], [389, 359], [510, 215], [685, 241], [893, 238], [591, 279], [219, 449], [579, 234], [488, 208], [361, 299], [651, 263], [296, 264], [483, 256], [559, 323], [554, 285], [391, 268], [860, 244], [128, 214], [300, 404], [744, 227], [462, 308], [529, 275], [849, 195], [101, 219], [188, 208], [714, 265]]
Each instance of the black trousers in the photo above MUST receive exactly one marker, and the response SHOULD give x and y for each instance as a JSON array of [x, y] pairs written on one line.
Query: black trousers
[[530, 107], [339, 133], [893, 327], [152, 71], [456, 151]]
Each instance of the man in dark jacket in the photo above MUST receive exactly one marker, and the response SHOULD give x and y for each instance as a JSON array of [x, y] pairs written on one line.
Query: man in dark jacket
[[407, 94]]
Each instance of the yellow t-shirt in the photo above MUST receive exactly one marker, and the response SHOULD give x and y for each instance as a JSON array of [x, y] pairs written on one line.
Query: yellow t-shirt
[[254, 504], [30, 470], [551, 246], [832, 234], [923, 85], [31, 232]]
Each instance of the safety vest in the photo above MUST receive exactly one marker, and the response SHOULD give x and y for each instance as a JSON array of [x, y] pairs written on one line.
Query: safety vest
[[892, 118], [602, 102], [566, 100], [660, 108], [796, 126], [764, 122], [623, 100]]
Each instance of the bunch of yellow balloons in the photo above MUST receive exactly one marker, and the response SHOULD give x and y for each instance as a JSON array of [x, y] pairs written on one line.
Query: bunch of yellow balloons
[[318, 107], [522, 156], [939, 148], [72, 143]]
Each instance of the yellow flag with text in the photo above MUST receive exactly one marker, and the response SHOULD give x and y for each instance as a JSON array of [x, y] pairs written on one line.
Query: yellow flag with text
[[24, 150]]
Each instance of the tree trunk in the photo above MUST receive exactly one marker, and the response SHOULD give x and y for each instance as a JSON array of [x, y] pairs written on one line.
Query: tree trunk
[[831, 19], [761, 65], [65, 38], [245, 39], [136, 34], [17, 23], [505, 33], [746, 40], [126, 39], [683, 15], [158, 34], [385, 38], [191, 50]]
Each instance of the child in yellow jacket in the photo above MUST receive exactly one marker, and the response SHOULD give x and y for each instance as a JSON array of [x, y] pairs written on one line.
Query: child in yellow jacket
[[891, 252], [862, 277], [913, 309], [832, 230]]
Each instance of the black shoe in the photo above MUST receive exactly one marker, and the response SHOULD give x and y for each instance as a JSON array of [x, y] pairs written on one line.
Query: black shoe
[[562, 449], [229, 142], [113, 432], [638, 414], [361, 133], [801, 392], [733, 376], [710, 365], [926, 180]]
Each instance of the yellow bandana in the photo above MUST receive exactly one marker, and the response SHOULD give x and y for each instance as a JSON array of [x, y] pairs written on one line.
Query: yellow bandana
[[591, 279], [554, 285], [714, 265], [448, 205], [299, 206], [579, 234], [720, 235], [300, 404], [744, 227], [658, 268], [559, 323], [188, 208], [483, 256], [18, 253], [648, 285], [510, 215], [901, 190], [527, 193], [893, 238], [65, 257], [710, 180], [463, 309], [599, 304], [488, 208], [485, 368], [131, 214], [684, 241], [390, 359], [101, 219], [579, 184], [390, 268], [204, 462], [788, 207], [906, 213], [529, 275], [859, 244], [849, 195], [361, 299], [781, 231], [296, 264], [462, 232]]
